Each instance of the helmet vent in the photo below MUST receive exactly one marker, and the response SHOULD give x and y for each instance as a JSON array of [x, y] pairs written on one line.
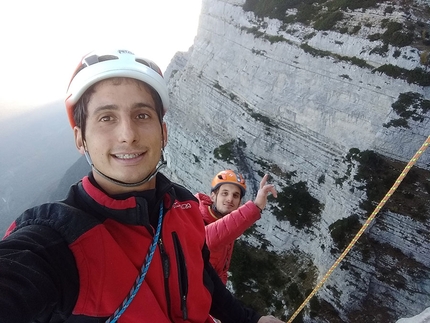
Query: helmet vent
[[150, 64], [107, 58], [142, 61], [94, 59]]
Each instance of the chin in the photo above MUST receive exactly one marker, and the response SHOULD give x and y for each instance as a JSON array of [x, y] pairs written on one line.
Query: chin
[[134, 177], [225, 212]]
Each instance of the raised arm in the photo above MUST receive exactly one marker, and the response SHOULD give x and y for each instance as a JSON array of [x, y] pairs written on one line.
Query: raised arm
[[233, 225], [230, 227]]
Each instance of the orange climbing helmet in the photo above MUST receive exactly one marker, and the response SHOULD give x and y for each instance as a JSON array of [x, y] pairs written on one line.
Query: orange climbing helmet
[[229, 177]]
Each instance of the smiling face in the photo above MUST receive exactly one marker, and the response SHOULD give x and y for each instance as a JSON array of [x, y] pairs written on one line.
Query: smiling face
[[123, 134], [227, 198]]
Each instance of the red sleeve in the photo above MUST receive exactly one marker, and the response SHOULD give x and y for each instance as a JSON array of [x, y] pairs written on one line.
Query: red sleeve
[[230, 227]]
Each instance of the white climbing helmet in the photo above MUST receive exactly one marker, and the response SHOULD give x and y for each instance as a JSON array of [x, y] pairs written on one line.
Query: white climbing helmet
[[97, 66]]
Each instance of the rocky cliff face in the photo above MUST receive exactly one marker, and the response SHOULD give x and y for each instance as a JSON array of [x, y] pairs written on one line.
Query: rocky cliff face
[[333, 115]]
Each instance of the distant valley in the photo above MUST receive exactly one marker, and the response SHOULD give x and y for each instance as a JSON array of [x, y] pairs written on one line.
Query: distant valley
[[37, 148]]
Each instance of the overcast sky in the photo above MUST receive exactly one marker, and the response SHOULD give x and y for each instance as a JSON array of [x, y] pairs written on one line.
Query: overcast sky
[[42, 41]]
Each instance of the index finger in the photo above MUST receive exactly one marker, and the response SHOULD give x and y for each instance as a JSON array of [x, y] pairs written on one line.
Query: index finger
[[264, 180]]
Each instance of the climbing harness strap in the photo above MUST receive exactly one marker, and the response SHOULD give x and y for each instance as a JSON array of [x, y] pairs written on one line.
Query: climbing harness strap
[[365, 225], [139, 280]]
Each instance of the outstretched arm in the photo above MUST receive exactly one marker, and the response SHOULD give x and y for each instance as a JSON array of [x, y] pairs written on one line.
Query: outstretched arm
[[38, 276], [230, 227]]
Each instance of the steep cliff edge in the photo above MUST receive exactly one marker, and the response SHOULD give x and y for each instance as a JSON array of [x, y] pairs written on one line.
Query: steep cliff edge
[[333, 115]]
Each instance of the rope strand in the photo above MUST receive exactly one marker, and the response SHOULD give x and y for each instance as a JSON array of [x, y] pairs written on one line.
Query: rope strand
[[139, 280], [364, 227]]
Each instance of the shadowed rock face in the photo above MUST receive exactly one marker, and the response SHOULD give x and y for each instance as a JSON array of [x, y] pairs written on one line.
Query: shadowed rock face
[[74, 174]]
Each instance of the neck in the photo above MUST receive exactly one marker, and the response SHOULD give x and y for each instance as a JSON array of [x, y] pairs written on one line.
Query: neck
[[214, 212]]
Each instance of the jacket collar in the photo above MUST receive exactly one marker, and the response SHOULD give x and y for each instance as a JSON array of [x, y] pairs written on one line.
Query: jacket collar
[[131, 208]]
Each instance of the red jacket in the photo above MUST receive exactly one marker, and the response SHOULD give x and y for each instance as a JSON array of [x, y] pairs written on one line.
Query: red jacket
[[77, 261], [222, 232]]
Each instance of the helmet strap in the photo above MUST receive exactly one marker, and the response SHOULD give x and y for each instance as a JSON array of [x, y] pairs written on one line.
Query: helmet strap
[[160, 165]]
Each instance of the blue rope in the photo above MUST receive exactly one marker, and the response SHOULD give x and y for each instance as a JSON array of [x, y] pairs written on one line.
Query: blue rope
[[141, 277]]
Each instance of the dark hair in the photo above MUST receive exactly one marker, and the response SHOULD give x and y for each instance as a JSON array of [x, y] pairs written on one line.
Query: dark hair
[[80, 111]]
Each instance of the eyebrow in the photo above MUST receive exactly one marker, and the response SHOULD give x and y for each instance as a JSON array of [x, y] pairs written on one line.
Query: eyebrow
[[225, 190], [109, 107]]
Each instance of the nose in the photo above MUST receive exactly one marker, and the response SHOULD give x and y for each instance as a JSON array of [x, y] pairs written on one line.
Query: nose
[[127, 131]]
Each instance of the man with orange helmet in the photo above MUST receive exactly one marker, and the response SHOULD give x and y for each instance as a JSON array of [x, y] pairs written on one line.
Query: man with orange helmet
[[226, 219], [127, 244]]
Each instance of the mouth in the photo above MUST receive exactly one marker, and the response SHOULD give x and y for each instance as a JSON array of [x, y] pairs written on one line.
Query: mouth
[[127, 156]]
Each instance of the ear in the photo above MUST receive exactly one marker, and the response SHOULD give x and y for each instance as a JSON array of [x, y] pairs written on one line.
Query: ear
[[213, 196], [164, 129], [79, 142]]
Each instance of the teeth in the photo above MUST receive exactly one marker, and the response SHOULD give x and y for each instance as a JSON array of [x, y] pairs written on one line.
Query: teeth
[[127, 156]]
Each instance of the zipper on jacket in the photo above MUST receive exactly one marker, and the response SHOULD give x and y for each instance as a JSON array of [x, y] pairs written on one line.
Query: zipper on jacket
[[182, 274], [165, 262]]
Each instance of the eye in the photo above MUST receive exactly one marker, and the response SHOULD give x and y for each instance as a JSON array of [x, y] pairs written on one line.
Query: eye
[[105, 118], [142, 116]]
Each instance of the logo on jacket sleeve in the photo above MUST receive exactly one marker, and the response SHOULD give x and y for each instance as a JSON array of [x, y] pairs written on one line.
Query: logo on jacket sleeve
[[183, 206]]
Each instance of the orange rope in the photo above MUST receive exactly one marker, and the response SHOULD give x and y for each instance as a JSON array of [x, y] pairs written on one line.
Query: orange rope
[[365, 225]]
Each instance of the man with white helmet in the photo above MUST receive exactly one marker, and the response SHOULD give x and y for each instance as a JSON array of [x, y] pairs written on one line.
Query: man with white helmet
[[126, 244], [226, 219]]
